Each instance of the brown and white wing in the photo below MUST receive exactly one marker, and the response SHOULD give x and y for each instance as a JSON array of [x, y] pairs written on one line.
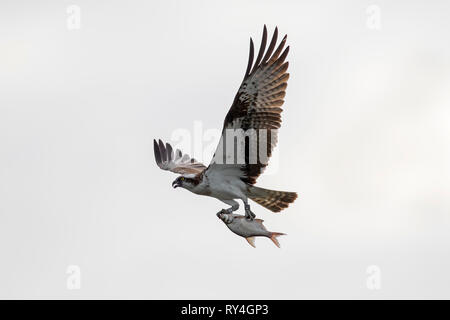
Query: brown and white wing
[[176, 161], [257, 105]]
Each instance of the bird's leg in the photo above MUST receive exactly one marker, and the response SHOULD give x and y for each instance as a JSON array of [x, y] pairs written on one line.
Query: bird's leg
[[248, 213], [227, 218], [228, 211], [234, 207]]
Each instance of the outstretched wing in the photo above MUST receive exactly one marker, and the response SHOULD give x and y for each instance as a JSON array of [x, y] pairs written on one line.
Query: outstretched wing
[[257, 106], [178, 163]]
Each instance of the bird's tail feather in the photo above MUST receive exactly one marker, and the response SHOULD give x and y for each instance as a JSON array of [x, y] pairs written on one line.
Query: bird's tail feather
[[271, 199]]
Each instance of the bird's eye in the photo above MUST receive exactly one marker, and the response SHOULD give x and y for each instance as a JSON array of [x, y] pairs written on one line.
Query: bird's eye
[[182, 179]]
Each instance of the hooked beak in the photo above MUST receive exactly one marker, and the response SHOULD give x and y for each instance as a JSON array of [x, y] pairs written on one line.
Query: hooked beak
[[175, 184]]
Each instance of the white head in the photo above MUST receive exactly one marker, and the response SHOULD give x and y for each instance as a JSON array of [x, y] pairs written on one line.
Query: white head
[[186, 181]]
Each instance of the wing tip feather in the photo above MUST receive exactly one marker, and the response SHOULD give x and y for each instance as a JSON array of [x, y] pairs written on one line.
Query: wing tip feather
[[157, 152]]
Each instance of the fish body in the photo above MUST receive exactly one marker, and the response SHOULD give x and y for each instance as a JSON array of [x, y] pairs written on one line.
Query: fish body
[[249, 229]]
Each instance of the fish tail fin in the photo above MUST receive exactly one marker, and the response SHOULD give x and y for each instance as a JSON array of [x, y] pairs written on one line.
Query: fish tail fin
[[273, 237]]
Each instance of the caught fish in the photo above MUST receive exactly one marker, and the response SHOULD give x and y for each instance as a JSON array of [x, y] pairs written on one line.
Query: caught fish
[[249, 229]]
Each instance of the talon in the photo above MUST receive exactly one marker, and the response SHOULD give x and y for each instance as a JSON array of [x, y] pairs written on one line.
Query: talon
[[249, 215], [224, 211]]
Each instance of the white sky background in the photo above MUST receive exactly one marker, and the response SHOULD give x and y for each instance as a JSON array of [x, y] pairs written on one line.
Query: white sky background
[[365, 142]]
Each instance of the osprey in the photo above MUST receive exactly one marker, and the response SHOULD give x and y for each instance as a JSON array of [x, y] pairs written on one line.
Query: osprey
[[248, 137]]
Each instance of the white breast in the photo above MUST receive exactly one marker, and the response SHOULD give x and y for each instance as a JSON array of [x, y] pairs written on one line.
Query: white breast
[[223, 187]]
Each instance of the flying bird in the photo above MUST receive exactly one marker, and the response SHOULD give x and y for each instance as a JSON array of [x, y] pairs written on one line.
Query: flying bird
[[249, 135]]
